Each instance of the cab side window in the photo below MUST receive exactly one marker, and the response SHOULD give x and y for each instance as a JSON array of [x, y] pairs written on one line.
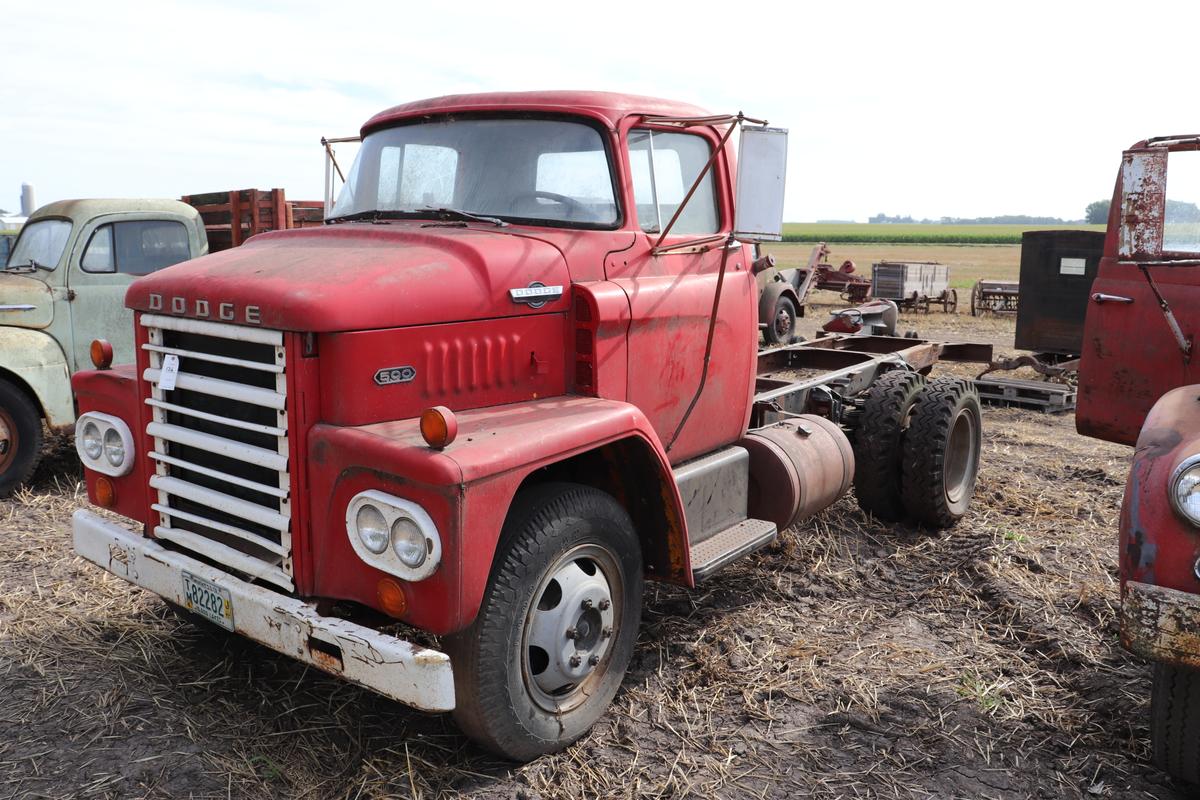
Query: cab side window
[[136, 247], [664, 165]]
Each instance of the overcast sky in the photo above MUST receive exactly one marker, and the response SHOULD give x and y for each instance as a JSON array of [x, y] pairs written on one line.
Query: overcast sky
[[928, 109]]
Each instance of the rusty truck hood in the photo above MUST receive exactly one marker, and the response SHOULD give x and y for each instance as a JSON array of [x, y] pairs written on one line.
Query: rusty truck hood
[[25, 301], [359, 276]]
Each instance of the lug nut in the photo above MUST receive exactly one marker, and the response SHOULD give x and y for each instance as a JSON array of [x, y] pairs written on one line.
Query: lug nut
[[575, 661], [604, 605], [572, 633], [606, 633], [587, 604], [594, 660]]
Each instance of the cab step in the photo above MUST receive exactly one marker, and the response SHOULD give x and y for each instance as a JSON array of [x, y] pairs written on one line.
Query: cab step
[[727, 546]]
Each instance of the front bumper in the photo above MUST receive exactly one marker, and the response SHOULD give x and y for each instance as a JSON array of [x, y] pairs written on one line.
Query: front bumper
[[1161, 624], [392, 667]]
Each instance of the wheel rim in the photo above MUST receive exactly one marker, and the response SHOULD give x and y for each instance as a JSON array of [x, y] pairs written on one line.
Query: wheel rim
[[570, 627], [960, 456], [783, 322], [9, 440]]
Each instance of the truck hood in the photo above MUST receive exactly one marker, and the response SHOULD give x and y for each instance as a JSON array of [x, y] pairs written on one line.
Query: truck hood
[[358, 276], [25, 301]]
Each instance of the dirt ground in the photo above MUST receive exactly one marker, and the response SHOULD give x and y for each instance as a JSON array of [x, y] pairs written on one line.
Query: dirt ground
[[850, 660]]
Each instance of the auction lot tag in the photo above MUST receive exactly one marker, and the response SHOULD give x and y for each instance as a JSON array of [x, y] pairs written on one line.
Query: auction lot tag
[[170, 371], [208, 600]]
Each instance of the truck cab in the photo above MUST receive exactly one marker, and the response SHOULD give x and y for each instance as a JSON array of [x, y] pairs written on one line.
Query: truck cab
[[62, 286], [514, 375], [1139, 384]]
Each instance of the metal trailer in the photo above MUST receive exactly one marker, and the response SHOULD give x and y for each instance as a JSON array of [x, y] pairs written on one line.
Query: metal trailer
[[999, 297], [914, 285]]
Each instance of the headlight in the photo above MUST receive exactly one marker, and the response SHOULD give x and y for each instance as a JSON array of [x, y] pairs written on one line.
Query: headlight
[[114, 448], [1185, 489], [93, 444], [104, 443], [372, 528], [375, 520], [408, 542]]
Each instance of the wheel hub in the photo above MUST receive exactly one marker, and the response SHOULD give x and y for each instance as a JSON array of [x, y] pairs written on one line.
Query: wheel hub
[[569, 630], [8, 440]]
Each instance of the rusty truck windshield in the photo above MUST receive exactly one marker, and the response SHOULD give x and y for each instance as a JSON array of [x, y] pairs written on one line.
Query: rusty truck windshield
[[40, 245], [536, 171]]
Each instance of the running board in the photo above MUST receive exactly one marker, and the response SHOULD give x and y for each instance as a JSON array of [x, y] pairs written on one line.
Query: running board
[[729, 545]]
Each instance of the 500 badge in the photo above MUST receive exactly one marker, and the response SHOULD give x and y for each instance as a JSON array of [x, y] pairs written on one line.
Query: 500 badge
[[389, 375]]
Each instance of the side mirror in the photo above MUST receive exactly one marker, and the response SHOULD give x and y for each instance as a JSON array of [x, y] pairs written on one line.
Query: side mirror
[[761, 178], [1143, 203]]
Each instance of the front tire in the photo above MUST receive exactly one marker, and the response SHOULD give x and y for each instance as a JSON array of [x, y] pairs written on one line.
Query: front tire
[[554, 636], [1175, 721], [20, 438], [781, 329]]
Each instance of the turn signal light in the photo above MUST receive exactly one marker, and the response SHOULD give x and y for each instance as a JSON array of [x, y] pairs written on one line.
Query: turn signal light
[[391, 598], [106, 494], [438, 427], [102, 354]]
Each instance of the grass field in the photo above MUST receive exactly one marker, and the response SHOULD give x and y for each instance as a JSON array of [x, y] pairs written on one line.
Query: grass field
[[916, 234], [968, 263]]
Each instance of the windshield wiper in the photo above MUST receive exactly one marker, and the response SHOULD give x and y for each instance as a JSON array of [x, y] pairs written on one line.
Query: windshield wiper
[[454, 213], [30, 266], [372, 215]]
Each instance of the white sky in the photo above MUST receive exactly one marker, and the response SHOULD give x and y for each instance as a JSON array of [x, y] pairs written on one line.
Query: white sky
[[929, 109]]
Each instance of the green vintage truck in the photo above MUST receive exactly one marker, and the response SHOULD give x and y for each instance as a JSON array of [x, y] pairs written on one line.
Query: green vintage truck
[[62, 285]]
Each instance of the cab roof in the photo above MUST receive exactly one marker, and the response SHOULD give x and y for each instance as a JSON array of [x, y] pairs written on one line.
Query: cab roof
[[79, 211], [610, 107]]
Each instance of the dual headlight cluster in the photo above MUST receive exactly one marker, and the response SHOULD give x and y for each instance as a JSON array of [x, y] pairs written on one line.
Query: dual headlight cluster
[[393, 534], [1185, 489], [104, 443]]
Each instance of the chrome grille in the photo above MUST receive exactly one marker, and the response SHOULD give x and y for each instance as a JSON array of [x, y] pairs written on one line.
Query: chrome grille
[[221, 444]]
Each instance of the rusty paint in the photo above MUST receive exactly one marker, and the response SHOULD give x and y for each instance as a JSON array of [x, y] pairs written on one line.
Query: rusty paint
[[1143, 203], [1161, 624]]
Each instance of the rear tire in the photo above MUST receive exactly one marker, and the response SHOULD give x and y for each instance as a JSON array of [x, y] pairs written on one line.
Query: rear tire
[[20, 438], [879, 443], [554, 636], [941, 453], [1175, 721], [781, 328]]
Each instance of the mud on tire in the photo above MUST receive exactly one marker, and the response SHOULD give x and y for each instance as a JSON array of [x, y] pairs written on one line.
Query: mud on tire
[[878, 443], [1175, 721], [941, 453], [20, 437], [533, 626]]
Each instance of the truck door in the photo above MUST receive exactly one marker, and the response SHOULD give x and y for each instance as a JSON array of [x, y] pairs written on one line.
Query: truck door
[[671, 296], [109, 254], [1134, 349]]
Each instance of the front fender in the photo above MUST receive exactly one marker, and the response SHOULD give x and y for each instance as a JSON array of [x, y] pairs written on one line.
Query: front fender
[[774, 287], [36, 360], [466, 488], [1157, 546]]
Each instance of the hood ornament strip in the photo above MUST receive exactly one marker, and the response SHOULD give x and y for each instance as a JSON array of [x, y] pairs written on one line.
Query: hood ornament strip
[[536, 294]]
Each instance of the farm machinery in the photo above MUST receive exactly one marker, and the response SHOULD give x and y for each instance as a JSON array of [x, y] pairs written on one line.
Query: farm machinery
[[914, 285], [1139, 384], [784, 291]]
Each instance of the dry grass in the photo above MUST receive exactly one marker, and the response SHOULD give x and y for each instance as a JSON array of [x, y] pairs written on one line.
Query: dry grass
[[852, 659]]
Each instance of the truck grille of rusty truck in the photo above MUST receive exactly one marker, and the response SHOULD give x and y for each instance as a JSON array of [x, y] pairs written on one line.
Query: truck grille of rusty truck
[[221, 444]]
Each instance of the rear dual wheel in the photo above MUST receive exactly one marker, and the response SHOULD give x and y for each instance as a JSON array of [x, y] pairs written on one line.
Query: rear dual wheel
[[553, 639]]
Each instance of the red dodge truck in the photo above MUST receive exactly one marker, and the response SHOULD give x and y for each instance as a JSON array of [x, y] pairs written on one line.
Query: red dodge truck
[[1139, 383], [516, 373]]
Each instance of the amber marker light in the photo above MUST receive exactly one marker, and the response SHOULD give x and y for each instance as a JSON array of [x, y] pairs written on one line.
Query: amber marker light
[[391, 598], [106, 495], [102, 354], [438, 426]]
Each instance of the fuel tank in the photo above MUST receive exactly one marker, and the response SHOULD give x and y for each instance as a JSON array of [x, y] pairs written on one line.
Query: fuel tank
[[797, 468]]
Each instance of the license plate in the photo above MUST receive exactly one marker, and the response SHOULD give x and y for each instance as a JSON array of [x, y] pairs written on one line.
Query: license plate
[[208, 600]]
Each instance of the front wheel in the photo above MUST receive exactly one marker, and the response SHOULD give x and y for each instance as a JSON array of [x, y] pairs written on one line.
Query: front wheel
[[20, 437], [554, 636], [782, 327], [1175, 721]]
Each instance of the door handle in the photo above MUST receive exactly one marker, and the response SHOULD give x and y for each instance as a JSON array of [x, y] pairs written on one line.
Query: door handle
[[1101, 297]]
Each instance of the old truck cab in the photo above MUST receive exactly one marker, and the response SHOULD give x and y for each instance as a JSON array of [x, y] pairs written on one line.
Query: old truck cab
[[1140, 385], [61, 287], [513, 376]]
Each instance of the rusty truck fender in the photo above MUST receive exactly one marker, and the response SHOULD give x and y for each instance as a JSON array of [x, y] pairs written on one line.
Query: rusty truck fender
[[468, 488], [772, 290], [35, 362], [1158, 548]]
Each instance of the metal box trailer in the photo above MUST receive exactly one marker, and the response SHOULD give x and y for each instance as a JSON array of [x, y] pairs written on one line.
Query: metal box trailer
[[913, 285], [1057, 270]]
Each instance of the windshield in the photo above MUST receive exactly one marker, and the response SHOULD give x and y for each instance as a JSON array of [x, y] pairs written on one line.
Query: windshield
[[541, 171], [40, 244]]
